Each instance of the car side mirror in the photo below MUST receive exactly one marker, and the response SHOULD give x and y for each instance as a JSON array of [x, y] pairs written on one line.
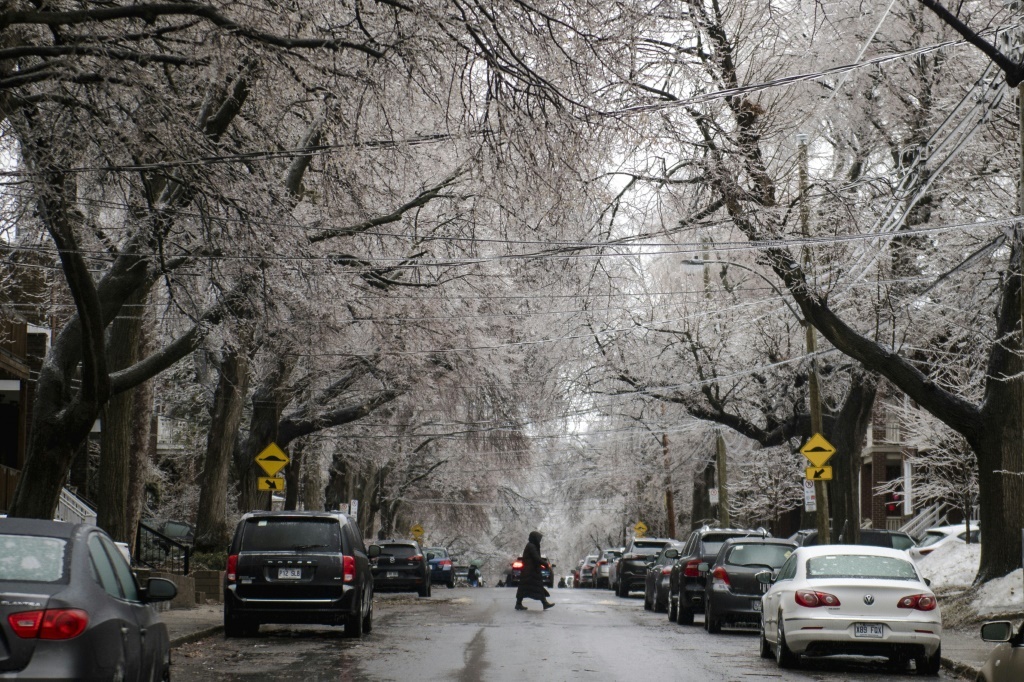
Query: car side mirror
[[160, 589], [671, 553], [430, 556], [373, 551], [928, 582], [703, 567], [997, 631], [765, 577], [454, 560]]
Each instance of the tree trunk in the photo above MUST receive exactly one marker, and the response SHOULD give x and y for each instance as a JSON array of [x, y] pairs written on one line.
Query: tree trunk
[[292, 475], [225, 418], [268, 402], [702, 483], [847, 435], [145, 452], [313, 482]]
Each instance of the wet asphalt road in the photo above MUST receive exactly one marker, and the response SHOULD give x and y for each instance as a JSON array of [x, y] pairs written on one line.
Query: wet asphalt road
[[474, 634]]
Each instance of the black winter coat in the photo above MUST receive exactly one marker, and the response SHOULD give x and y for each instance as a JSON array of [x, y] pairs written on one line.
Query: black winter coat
[[531, 584]]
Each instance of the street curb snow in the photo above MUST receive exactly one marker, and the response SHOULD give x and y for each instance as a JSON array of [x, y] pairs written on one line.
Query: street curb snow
[[962, 669], [196, 636]]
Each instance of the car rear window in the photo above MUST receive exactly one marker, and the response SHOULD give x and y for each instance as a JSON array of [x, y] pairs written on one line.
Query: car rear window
[[931, 537], [772, 556], [860, 566], [275, 535], [438, 552], [29, 558], [398, 551], [649, 548]]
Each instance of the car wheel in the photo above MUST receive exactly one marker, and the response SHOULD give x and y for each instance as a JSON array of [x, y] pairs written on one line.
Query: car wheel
[[672, 613], [354, 621], [929, 665], [451, 584], [623, 590], [784, 656], [766, 648], [368, 620], [685, 613], [424, 590], [647, 601], [710, 624], [659, 605]]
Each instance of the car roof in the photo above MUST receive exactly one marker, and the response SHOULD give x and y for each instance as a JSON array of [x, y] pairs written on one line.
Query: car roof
[[955, 528], [296, 514], [872, 550], [20, 526], [758, 540]]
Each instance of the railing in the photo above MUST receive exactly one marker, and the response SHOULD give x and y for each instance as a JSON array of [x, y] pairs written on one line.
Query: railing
[[929, 517], [72, 509], [155, 550]]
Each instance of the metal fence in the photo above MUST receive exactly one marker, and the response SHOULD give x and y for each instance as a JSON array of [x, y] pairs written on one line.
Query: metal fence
[[156, 551]]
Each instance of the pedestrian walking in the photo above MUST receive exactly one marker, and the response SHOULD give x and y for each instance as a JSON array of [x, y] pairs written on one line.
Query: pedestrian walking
[[531, 583]]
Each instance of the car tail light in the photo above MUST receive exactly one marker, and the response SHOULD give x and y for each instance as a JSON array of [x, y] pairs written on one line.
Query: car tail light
[[602, 562], [444, 562], [812, 599], [921, 602], [690, 571], [666, 570], [232, 569], [720, 575], [517, 564], [349, 568], [924, 552], [418, 557], [49, 624]]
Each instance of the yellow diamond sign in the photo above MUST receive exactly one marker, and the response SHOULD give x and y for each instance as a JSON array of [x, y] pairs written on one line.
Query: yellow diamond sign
[[272, 459], [640, 529], [817, 450]]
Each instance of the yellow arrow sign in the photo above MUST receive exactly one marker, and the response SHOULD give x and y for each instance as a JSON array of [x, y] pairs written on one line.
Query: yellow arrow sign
[[268, 483], [640, 529], [818, 474], [272, 459], [817, 450]]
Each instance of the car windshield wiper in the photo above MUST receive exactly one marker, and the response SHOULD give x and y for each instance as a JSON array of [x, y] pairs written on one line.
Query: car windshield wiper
[[299, 548]]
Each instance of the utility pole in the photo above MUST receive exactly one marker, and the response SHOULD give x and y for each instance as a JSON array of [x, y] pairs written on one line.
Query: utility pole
[[723, 494], [820, 488], [670, 500]]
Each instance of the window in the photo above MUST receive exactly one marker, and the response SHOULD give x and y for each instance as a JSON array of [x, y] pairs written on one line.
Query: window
[[290, 534], [860, 566], [788, 570], [30, 558], [772, 556], [104, 570], [398, 551], [121, 569]]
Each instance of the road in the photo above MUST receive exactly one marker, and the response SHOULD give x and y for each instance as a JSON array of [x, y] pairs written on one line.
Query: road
[[474, 634]]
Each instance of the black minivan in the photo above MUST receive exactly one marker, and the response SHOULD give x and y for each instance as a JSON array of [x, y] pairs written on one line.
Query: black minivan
[[298, 567]]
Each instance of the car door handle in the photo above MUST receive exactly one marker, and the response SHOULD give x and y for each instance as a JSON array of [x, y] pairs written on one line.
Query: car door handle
[[124, 632]]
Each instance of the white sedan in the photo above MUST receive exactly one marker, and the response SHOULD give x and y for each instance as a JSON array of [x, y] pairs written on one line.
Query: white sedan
[[850, 599], [937, 537]]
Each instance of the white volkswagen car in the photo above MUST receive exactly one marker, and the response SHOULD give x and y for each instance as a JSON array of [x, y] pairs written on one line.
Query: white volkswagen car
[[854, 600]]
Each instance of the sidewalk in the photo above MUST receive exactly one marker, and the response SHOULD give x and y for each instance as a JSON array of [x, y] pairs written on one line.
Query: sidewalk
[[963, 650]]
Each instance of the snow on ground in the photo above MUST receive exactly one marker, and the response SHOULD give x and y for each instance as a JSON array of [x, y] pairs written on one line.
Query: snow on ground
[[954, 565]]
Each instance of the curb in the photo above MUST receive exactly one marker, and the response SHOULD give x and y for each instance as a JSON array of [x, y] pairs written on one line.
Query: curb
[[196, 636], [962, 669]]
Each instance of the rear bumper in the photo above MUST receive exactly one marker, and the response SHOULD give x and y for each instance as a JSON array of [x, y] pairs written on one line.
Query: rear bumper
[[403, 584], [735, 608], [326, 611], [826, 636]]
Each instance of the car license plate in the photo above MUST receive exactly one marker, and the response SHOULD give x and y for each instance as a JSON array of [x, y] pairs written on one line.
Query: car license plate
[[756, 604], [392, 574], [289, 573], [872, 630]]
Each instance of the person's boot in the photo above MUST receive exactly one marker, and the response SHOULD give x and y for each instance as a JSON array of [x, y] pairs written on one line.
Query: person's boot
[[519, 605], [547, 604]]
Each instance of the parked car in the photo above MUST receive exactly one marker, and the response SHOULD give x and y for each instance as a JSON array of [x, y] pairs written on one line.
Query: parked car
[[656, 581], [1006, 662], [732, 592], [298, 567], [875, 537], [71, 609], [687, 581], [631, 569], [587, 570], [608, 557], [576, 573], [461, 576], [441, 563], [401, 566], [516, 568], [934, 538], [850, 599]]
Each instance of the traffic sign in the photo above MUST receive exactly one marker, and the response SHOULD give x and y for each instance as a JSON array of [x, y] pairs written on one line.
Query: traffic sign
[[270, 483], [272, 459], [417, 531], [640, 529], [817, 450], [810, 498], [818, 473]]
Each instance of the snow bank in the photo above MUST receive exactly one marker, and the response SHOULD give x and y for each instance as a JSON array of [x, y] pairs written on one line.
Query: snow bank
[[952, 565], [1001, 596]]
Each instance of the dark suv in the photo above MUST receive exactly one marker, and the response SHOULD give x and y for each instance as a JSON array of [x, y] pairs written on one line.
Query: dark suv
[[876, 537], [516, 568], [631, 569], [687, 581], [401, 567], [298, 567]]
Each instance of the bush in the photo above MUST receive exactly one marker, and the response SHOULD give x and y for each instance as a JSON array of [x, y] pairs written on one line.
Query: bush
[[208, 561]]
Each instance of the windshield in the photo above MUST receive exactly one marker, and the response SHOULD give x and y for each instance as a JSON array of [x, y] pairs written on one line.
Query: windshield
[[931, 537], [860, 566], [398, 551], [772, 556]]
